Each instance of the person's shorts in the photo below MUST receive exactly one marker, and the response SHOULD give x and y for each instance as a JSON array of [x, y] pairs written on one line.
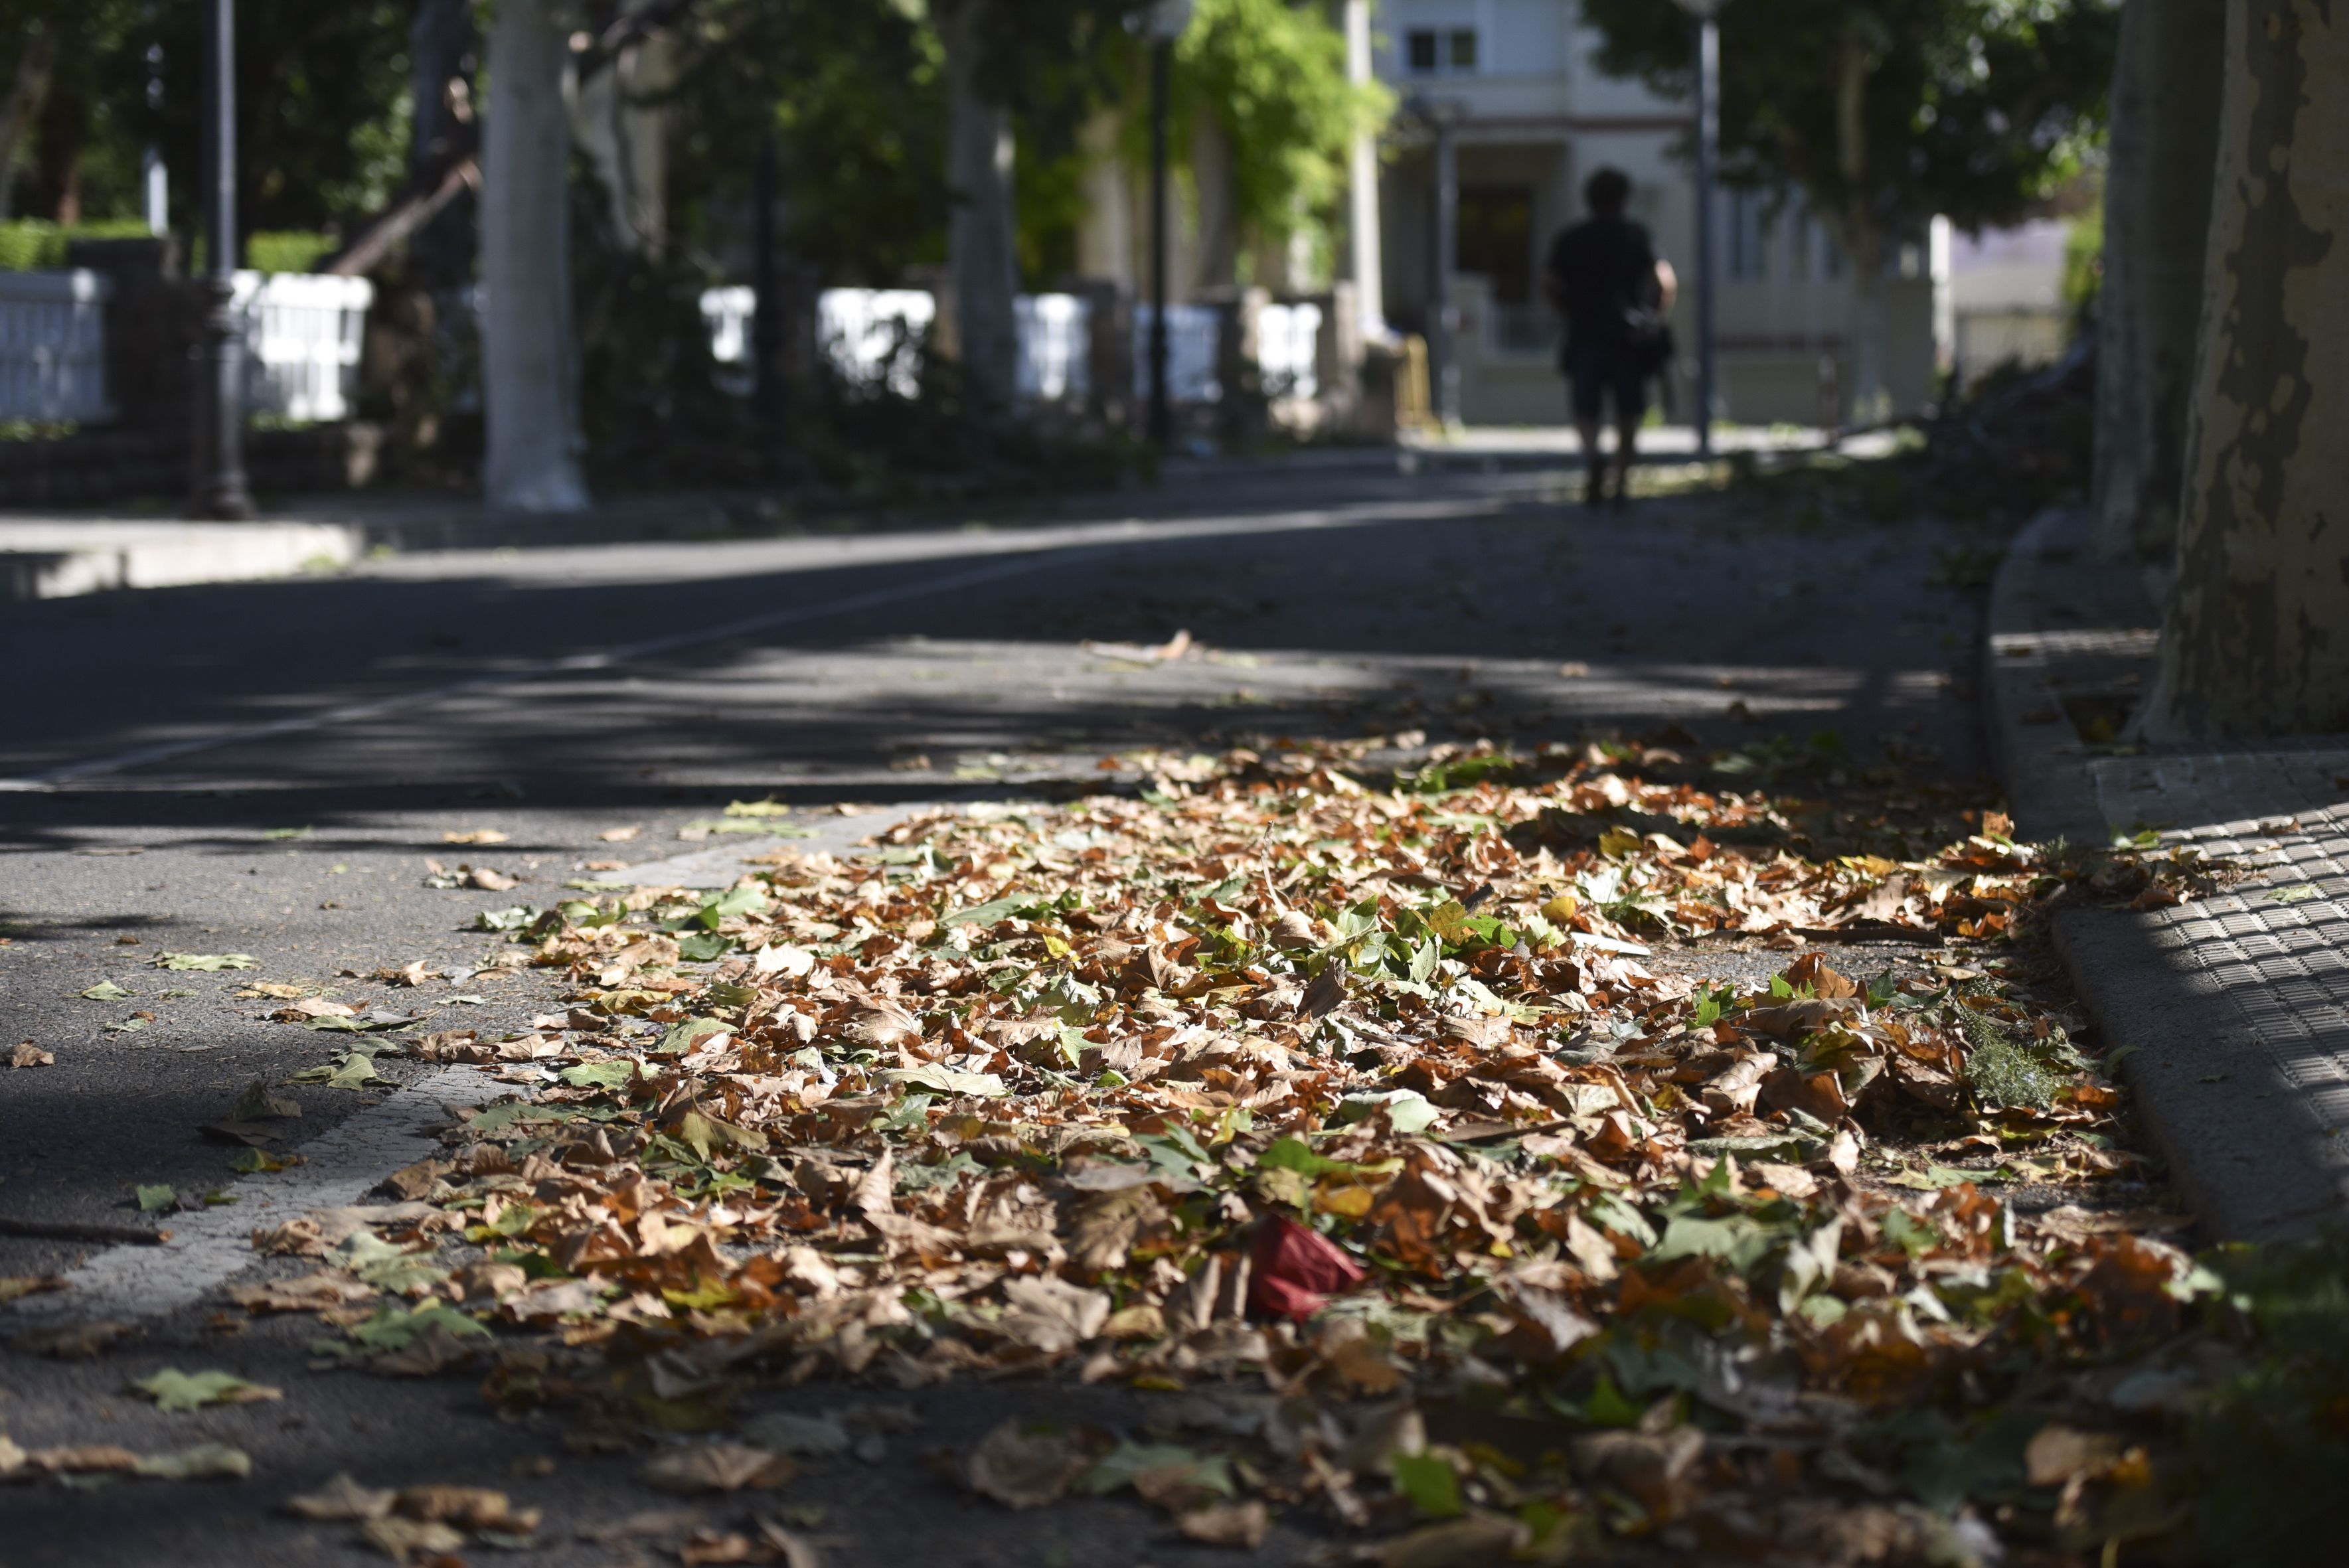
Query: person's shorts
[[1593, 370]]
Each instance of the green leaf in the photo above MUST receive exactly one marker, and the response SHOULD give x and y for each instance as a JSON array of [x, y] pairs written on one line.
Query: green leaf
[[601, 1075], [1737, 1239], [105, 991], [384, 1265], [1292, 1154], [281, 833], [1117, 1468], [397, 1328], [207, 961], [509, 919], [945, 1081], [160, 1197], [1408, 1110], [203, 1461], [1430, 1483], [701, 946], [259, 1162], [174, 1391], [684, 1036]]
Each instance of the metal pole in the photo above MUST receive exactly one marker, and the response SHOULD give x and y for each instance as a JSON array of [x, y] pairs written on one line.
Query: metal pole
[[1444, 320], [767, 314], [1161, 58], [1708, 151], [218, 486]]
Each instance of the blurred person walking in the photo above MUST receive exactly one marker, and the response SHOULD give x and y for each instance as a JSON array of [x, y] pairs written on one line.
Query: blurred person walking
[[1604, 276]]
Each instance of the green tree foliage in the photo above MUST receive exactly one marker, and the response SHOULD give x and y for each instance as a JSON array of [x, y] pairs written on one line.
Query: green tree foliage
[[851, 89], [1274, 74], [1886, 112], [322, 104]]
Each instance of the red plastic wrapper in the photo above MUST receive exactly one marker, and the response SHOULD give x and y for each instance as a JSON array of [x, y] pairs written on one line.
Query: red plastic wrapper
[[1295, 1270]]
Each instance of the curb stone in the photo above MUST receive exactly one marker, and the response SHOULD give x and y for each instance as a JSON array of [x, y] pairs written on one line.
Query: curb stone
[[2229, 1018]]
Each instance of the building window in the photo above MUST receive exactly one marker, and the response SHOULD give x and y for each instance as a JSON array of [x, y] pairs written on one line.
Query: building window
[[1496, 236], [1440, 51]]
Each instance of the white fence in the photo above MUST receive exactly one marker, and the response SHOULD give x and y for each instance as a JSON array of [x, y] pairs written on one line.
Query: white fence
[[1192, 331], [1056, 355], [53, 346], [870, 335], [1287, 341], [302, 334]]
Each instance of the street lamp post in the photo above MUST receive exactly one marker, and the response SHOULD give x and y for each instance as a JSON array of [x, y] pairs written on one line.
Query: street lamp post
[[1167, 20], [217, 487], [1708, 153], [1443, 321], [767, 314]]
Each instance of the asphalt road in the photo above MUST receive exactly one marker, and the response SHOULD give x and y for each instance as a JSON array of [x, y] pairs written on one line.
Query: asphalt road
[[266, 769]]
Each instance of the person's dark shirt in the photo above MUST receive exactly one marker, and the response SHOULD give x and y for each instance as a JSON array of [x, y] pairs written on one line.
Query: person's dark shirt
[[1602, 267]]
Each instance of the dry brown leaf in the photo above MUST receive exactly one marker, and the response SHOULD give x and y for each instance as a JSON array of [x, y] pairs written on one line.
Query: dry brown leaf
[[311, 1292], [1020, 1467], [28, 1055], [411, 1540], [1050, 1315], [341, 1500], [717, 1467], [1477, 1541], [469, 1507], [68, 1341], [14, 1288], [1242, 1525]]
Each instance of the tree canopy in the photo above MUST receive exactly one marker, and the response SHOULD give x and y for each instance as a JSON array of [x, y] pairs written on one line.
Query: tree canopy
[[1885, 113], [1274, 74]]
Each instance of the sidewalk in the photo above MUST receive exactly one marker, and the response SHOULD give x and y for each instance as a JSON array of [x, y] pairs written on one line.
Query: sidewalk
[[58, 556], [2235, 1010], [63, 556]]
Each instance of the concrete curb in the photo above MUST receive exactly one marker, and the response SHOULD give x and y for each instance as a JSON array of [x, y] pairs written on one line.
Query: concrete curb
[[62, 559], [2039, 757], [2248, 1144]]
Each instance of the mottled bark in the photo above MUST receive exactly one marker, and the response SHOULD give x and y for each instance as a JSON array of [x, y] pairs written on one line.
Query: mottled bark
[[2165, 140], [2256, 638], [530, 360], [981, 237], [620, 121]]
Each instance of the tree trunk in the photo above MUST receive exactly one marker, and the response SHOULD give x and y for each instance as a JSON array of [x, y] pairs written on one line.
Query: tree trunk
[[442, 42], [1220, 226], [2256, 639], [626, 137], [530, 361], [1866, 400], [980, 233], [2165, 138], [32, 85]]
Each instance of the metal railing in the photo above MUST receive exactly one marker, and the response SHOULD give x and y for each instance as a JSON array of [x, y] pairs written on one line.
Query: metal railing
[[53, 346], [1192, 334], [304, 334], [303, 338], [1287, 349]]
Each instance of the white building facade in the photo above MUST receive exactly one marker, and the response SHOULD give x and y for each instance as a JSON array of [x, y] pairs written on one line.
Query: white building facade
[[1530, 116]]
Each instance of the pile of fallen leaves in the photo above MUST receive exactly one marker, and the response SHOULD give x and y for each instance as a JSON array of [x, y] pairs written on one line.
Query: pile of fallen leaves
[[1421, 1136]]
